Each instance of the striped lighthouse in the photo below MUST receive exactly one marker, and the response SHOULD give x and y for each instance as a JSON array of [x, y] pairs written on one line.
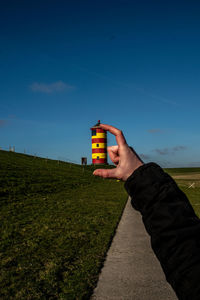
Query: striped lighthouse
[[99, 145]]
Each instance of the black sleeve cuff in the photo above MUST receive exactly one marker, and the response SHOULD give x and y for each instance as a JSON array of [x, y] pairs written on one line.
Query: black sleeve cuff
[[144, 183]]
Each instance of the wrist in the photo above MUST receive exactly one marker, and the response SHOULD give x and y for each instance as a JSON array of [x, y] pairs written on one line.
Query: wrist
[[137, 165]]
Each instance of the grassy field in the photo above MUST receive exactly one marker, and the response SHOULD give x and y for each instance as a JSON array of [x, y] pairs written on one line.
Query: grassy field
[[188, 179], [57, 221]]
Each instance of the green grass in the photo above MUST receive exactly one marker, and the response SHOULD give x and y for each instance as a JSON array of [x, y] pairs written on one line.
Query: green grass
[[185, 177], [57, 222], [182, 171]]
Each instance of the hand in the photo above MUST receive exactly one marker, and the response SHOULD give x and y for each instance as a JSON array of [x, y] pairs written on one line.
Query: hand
[[125, 158]]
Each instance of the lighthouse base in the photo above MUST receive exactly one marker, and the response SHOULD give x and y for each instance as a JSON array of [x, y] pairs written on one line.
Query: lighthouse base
[[100, 161]]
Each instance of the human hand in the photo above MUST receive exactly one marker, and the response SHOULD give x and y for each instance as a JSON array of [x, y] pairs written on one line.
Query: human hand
[[125, 159]]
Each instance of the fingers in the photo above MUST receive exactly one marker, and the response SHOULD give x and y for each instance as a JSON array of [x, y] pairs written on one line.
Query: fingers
[[113, 153], [113, 148], [118, 133], [105, 173]]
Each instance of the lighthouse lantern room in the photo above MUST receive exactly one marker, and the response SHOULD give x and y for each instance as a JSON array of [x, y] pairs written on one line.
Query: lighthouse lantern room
[[99, 145]]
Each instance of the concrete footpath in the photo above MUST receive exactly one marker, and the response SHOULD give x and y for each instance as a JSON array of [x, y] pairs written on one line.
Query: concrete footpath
[[131, 270]]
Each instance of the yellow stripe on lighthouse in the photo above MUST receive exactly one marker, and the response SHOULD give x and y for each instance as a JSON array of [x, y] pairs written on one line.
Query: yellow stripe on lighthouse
[[99, 145], [99, 135], [100, 155]]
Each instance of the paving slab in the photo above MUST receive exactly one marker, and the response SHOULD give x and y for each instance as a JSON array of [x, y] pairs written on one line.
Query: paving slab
[[131, 269]]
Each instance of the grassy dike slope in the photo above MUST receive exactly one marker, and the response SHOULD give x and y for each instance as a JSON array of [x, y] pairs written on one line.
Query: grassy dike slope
[[57, 221]]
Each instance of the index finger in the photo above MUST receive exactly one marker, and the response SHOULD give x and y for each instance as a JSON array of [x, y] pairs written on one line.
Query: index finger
[[118, 133]]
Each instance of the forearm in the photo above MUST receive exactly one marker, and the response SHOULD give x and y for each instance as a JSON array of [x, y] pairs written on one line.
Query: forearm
[[172, 224]]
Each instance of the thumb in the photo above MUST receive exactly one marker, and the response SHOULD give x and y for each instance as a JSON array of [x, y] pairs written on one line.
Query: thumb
[[105, 173]]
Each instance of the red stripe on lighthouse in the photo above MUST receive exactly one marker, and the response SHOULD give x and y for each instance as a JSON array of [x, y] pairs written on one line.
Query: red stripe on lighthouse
[[99, 161], [99, 150], [99, 140], [99, 130]]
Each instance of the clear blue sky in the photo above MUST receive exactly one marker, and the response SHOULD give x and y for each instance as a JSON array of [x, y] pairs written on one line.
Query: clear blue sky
[[131, 64]]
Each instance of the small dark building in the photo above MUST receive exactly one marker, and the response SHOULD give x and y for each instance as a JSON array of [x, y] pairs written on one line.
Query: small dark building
[[84, 161]]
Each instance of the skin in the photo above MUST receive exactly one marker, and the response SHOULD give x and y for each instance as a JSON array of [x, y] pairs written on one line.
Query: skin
[[125, 158]]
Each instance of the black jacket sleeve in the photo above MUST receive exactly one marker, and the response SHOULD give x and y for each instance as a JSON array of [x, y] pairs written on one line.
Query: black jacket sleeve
[[172, 225]]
